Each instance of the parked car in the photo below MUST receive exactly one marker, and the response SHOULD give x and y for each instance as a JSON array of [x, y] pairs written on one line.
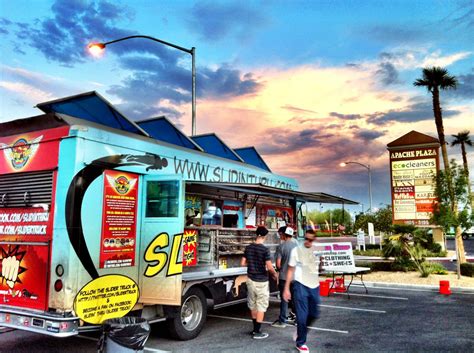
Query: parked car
[[467, 233]]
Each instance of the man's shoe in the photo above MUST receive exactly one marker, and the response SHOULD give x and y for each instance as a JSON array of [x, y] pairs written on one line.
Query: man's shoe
[[251, 333], [279, 324], [260, 335], [303, 348]]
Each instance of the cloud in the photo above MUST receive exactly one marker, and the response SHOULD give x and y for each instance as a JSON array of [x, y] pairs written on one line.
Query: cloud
[[32, 87], [368, 135], [390, 62], [463, 16], [412, 113], [297, 109], [435, 59], [215, 21], [29, 92], [387, 73], [226, 81], [142, 111], [465, 88], [64, 36], [158, 74], [394, 34], [141, 88], [345, 116]]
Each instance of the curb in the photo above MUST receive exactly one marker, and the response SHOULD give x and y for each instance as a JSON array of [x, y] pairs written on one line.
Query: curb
[[363, 257], [417, 287]]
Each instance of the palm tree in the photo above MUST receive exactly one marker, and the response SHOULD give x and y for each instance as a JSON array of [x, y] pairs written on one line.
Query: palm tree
[[434, 79], [463, 139]]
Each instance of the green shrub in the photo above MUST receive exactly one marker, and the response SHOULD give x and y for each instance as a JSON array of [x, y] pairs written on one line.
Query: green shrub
[[403, 264], [467, 269], [369, 252], [434, 248], [395, 246], [381, 266], [438, 269], [372, 246], [441, 253], [377, 266], [427, 268]]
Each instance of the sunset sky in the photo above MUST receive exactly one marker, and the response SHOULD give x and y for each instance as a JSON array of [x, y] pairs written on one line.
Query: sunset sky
[[310, 84]]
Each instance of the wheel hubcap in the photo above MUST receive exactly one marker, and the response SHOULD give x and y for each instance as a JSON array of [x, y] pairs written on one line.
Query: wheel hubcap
[[191, 312]]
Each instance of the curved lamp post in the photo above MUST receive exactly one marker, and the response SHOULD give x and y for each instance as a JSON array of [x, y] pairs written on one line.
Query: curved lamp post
[[366, 166], [97, 48]]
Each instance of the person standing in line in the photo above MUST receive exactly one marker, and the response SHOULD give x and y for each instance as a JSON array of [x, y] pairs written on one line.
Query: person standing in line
[[281, 260], [304, 267], [259, 264]]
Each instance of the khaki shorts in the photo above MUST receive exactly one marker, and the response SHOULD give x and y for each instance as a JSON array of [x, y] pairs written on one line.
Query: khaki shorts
[[258, 295]]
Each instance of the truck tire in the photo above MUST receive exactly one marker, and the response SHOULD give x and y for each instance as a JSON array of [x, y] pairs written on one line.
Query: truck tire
[[191, 316], [465, 236]]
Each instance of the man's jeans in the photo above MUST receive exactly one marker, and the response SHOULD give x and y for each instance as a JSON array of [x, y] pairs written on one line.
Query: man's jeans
[[306, 301], [284, 305]]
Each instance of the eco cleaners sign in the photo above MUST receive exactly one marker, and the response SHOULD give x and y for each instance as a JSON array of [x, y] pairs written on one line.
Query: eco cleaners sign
[[414, 164]]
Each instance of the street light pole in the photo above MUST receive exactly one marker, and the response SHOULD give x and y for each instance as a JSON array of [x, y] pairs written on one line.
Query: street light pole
[[98, 47], [366, 166]]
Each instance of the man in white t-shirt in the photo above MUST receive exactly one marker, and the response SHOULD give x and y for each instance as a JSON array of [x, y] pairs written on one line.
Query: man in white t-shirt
[[303, 270]]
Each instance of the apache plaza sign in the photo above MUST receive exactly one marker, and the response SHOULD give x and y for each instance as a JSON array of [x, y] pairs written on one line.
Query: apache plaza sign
[[413, 173]]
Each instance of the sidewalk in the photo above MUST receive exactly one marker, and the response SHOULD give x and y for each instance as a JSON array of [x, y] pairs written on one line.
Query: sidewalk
[[414, 280]]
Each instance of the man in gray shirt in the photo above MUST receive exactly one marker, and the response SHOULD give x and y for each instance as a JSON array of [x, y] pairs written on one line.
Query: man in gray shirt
[[282, 257]]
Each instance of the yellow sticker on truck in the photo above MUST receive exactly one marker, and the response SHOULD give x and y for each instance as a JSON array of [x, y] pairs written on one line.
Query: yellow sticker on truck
[[106, 297]]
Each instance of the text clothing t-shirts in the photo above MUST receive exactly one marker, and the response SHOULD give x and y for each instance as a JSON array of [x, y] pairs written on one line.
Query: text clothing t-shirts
[[306, 265], [257, 255]]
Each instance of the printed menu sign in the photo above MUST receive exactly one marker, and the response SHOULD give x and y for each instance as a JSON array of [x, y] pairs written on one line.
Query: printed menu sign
[[119, 219], [413, 185]]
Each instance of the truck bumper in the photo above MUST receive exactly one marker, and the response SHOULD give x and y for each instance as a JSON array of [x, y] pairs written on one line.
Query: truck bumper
[[39, 322]]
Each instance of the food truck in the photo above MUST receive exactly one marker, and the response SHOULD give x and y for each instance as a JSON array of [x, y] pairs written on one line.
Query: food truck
[[102, 217]]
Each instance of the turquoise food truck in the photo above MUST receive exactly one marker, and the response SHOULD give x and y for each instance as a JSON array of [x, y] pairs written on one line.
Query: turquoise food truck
[[102, 217]]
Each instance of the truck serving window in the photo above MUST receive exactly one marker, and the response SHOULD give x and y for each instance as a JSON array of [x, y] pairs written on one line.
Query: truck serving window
[[162, 198]]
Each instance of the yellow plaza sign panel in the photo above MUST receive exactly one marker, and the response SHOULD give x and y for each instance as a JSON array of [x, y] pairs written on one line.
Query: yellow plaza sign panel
[[414, 163]]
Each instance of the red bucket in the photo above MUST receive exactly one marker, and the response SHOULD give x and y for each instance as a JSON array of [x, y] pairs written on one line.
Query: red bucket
[[324, 288], [444, 288]]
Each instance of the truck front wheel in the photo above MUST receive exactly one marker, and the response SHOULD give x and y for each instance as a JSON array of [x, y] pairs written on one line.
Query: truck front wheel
[[191, 317]]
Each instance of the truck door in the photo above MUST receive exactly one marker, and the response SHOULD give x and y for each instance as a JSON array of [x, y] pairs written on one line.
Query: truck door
[[162, 223]]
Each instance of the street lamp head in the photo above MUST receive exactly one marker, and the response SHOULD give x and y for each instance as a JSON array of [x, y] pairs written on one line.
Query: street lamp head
[[96, 49], [342, 164]]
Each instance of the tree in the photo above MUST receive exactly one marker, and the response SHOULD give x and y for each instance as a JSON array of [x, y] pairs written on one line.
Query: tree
[[383, 219], [330, 217], [434, 79], [362, 221], [462, 139], [444, 215]]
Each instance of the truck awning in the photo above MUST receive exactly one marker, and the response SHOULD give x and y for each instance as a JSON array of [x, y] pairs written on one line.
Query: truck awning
[[265, 190]]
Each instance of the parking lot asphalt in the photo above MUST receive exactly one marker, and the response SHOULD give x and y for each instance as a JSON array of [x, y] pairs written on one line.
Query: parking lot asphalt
[[385, 320]]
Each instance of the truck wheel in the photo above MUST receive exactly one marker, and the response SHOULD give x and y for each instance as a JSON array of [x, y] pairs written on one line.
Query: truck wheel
[[191, 316], [465, 236]]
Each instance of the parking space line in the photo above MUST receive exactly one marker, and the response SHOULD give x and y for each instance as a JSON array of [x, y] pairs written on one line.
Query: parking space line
[[269, 323], [374, 296], [155, 350], [88, 338], [145, 348], [355, 309]]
